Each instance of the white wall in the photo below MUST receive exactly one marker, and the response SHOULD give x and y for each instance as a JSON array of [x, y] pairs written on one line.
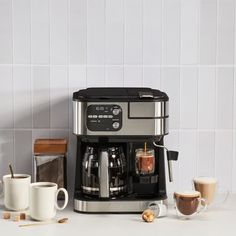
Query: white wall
[[50, 48]]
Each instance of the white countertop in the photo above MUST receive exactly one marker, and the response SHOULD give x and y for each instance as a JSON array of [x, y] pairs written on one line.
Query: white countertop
[[220, 220]]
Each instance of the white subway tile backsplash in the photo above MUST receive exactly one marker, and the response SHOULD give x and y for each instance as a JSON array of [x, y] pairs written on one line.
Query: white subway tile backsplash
[[22, 97], [40, 133], [59, 94], [6, 97], [21, 30], [170, 83], [189, 31], [223, 158], [95, 76], [133, 32], [206, 153], [41, 96], [77, 76], [225, 91], [114, 76], [95, 32], [59, 133], [78, 31], [171, 32], [133, 76], [188, 97], [206, 98], [6, 150], [77, 80], [208, 25], [152, 32], [52, 48], [40, 31], [23, 151], [187, 158], [58, 31], [226, 27], [6, 32], [114, 32], [152, 77]]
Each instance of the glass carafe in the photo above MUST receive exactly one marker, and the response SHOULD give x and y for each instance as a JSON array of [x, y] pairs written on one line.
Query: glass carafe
[[90, 178]]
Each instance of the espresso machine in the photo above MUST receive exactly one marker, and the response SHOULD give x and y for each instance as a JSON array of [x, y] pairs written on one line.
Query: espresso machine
[[120, 164]]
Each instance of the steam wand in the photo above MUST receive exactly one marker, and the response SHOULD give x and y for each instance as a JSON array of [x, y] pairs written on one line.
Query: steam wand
[[171, 156]]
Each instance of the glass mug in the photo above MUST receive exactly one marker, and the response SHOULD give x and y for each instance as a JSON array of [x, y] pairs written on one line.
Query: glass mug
[[189, 204], [210, 190], [144, 161]]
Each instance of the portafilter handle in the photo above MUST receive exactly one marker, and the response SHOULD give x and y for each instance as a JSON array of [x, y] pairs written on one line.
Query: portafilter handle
[[171, 156]]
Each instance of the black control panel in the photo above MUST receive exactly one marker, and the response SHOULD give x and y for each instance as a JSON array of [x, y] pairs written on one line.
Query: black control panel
[[104, 117]]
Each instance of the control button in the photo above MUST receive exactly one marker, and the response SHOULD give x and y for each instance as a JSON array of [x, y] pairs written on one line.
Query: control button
[[116, 125], [90, 116], [116, 111], [105, 116], [110, 116], [100, 116], [95, 116]]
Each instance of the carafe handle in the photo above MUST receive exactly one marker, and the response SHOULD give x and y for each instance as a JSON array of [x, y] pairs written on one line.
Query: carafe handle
[[103, 174]]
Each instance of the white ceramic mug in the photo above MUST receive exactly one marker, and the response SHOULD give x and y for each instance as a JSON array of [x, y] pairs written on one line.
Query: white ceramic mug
[[43, 200], [16, 191]]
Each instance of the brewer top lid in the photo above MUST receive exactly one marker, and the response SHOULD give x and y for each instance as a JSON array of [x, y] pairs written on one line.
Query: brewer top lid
[[138, 94]]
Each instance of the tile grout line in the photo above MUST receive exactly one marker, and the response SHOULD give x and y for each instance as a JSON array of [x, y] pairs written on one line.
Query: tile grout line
[[50, 64], [68, 59], [179, 74], [86, 65], [216, 82], [142, 27], [124, 39], [13, 87], [197, 87]]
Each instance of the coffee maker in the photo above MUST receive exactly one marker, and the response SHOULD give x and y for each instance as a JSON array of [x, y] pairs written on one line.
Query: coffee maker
[[120, 163]]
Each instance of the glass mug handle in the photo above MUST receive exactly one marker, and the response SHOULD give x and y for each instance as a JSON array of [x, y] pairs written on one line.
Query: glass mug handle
[[65, 201], [202, 205], [222, 192]]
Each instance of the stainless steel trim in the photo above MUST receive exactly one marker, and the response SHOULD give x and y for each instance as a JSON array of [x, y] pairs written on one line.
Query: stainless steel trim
[[146, 126], [103, 174], [114, 189], [148, 109], [115, 206]]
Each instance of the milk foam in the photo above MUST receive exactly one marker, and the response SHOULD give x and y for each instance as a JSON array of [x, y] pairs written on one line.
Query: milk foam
[[205, 180]]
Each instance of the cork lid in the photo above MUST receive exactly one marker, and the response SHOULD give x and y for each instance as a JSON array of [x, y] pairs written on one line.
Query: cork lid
[[50, 146]]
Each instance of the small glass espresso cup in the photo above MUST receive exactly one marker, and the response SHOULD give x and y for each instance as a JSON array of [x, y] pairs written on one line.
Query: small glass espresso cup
[[188, 204], [145, 161]]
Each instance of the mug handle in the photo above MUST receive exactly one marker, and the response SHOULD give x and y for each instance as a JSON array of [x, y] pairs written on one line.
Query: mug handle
[[202, 205], [65, 201], [224, 198]]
